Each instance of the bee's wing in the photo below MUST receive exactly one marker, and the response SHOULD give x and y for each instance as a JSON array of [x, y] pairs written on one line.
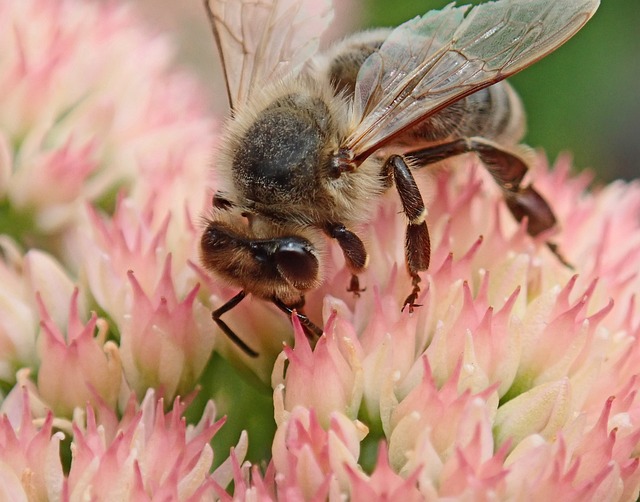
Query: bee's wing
[[261, 40], [434, 60]]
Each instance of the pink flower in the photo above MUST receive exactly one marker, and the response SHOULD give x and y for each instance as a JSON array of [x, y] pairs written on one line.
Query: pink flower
[[590, 462], [165, 343], [442, 416], [150, 454], [332, 363], [86, 121], [145, 453], [152, 302], [23, 278], [136, 240], [384, 483], [310, 458], [18, 320], [77, 369], [30, 466]]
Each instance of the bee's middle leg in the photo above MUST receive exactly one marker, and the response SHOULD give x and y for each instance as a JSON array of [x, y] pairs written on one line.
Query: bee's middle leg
[[355, 254], [417, 243]]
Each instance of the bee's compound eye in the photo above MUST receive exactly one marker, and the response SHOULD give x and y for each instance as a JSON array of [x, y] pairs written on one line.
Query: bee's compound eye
[[297, 263]]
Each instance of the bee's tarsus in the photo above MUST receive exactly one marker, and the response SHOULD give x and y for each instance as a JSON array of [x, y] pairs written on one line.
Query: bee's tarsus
[[312, 331], [354, 286], [410, 301]]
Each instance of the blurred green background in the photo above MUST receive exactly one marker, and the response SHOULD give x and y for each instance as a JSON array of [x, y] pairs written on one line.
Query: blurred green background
[[582, 98]]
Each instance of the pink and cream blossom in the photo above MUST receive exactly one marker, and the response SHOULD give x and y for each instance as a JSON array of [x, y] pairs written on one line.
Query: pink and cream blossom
[[24, 279], [79, 366], [516, 378], [77, 124], [30, 465], [149, 453], [165, 341]]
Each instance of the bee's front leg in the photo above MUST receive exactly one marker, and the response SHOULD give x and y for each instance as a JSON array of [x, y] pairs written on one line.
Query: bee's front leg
[[312, 331], [417, 243], [215, 315]]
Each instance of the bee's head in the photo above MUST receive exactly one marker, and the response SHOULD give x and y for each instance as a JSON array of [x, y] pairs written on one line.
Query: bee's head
[[282, 267]]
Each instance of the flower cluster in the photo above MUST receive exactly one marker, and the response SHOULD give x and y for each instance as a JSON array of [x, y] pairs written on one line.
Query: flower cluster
[[516, 378], [102, 320], [79, 125], [513, 378]]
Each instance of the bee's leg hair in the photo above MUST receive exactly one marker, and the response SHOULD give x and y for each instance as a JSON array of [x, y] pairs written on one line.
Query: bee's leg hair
[[417, 243], [354, 252], [226, 329], [310, 329]]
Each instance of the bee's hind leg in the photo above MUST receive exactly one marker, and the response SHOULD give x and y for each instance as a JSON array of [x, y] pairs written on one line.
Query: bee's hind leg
[[417, 243], [508, 170]]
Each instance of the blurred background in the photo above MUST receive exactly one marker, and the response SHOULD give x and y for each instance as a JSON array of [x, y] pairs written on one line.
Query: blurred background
[[581, 99]]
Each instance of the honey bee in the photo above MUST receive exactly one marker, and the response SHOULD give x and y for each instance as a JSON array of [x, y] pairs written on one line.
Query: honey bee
[[314, 139]]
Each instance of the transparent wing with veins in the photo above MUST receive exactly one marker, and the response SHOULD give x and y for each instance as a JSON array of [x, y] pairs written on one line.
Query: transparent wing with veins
[[434, 60], [262, 40]]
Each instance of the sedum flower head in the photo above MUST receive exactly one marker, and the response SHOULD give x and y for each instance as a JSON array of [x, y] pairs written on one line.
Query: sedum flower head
[[77, 368], [76, 124], [517, 377], [151, 454], [512, 353], [29, 280], [146, 453]]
